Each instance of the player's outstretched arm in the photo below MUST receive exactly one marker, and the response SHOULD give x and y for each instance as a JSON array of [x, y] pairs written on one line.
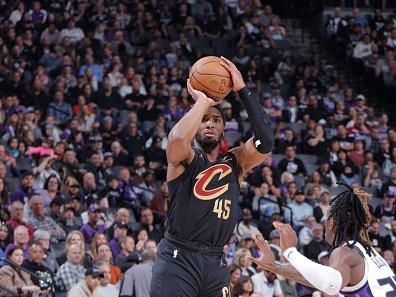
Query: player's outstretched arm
[[254, 151], [179, 148], [327, 279]]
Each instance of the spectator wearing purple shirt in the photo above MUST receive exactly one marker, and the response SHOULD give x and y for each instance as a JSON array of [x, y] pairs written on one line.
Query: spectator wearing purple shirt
[[120, 231], [91, 228]]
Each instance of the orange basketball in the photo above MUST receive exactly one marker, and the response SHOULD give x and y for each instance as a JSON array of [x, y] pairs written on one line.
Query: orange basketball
[[211, 78]]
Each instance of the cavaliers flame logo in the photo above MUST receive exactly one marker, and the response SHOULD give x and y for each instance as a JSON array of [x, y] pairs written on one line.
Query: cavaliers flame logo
[[204, 178]]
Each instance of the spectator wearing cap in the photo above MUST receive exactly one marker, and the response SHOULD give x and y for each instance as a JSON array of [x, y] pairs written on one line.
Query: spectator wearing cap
[[274, 244], [40, 221], [88, 285], [292, 163], [120, 231], [317, 244], [138, 278], [92, 227], [121, 216], [105, 289], [391, 237], [300, 210], [104, 254], [72, 271], [127, 244], [16, 219], [108, 163], [55, 209]]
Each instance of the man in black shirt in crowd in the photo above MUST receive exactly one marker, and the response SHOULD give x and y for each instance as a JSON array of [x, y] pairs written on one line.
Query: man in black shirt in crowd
[[203, 190]]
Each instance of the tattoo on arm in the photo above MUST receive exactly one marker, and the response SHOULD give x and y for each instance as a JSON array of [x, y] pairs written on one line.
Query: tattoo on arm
[[288, 271]]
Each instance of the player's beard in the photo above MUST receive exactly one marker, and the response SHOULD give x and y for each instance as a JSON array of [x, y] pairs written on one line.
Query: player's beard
[[208, 144]]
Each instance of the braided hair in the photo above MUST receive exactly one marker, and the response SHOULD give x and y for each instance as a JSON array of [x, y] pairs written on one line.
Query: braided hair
[[352, 216]]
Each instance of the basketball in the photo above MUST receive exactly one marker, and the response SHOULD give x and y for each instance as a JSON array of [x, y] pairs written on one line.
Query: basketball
[[211, 78]]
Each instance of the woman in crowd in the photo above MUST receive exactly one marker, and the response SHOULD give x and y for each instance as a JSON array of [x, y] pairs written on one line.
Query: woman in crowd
[[242, 260], [244, 288], [16, 280]]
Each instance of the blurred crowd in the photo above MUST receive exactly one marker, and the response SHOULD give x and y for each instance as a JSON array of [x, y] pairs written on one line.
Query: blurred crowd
[[88, 93]]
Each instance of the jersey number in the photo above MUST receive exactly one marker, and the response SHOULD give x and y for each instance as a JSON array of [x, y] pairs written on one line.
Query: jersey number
[[391, 281], [222, 208]]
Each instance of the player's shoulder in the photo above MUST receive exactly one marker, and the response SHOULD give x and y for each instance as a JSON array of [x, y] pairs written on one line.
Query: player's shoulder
[[346, 254]]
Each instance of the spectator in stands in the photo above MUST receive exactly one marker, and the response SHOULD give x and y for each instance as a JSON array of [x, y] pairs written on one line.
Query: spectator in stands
[[36, 265], [16, 210], [292, 163], [72, 271], [92, 227], [266, 283], [39, 220], [317, 244], [105, 289], [127, 249], [87, 286], [300, 210], [120, 231], [49, 260], [104, 255], [16, 280]]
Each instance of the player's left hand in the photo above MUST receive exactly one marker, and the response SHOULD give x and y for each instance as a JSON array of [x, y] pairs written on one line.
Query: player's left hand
[[267, 257], [288, 237], [236, 75]]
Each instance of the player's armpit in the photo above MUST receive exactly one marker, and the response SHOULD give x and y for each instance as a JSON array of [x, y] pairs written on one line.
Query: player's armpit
[[248, 157]]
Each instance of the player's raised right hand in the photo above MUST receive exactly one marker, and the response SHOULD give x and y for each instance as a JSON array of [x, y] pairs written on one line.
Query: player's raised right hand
[[198, 95]]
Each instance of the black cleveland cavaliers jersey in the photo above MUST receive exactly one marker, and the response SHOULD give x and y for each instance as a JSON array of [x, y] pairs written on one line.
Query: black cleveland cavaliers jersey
[[204, 200]]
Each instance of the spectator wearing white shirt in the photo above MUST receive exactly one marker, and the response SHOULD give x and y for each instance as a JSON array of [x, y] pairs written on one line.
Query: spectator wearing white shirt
[[267, 284], [105, 289], [74, 33], [363, 48]]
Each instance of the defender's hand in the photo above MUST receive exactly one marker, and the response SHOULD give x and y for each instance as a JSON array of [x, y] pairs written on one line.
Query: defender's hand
[[198, 95], [267, 257], [288, 237], [236, 75]]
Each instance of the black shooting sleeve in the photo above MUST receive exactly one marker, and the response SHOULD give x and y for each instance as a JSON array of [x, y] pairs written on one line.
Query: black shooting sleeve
[[259, 120]]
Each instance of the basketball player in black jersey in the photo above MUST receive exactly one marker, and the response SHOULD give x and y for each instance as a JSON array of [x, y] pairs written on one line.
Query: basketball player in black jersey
[[203, 191]]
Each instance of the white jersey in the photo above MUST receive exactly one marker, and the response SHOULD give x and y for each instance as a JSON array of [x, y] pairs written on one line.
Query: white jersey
[[379, 279]]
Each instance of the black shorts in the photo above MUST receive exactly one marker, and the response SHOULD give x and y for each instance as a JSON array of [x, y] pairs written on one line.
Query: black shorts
[[185, 269]]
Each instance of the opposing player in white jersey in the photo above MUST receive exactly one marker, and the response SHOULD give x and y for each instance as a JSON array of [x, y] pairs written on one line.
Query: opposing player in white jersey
[[355, 269]]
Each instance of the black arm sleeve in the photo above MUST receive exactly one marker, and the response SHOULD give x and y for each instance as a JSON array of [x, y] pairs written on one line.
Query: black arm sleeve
[[261, 123]]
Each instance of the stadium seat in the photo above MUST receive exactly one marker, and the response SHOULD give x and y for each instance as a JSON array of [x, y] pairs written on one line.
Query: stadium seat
[[308, 159], [297, 127], [277, 158], [283, 45], [310, 168], [300, 181], [147, 126], [232, 137]]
